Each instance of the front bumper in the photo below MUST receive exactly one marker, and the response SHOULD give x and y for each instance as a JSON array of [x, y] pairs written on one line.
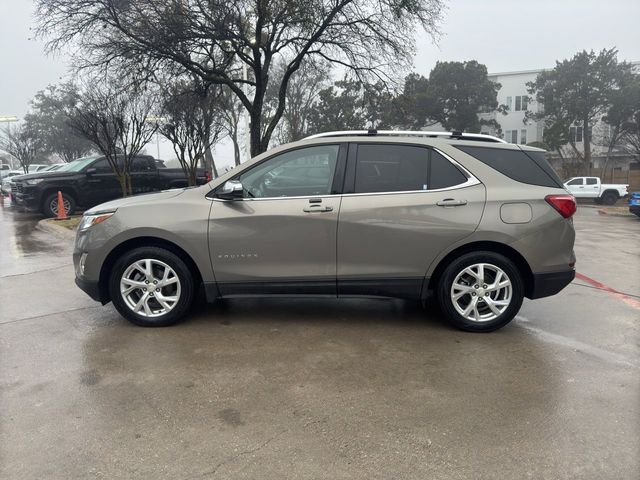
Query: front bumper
[[547, 284], [90, 288]]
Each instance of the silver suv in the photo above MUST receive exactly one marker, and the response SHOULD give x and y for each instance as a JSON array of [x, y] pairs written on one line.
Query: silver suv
[[469, 219]]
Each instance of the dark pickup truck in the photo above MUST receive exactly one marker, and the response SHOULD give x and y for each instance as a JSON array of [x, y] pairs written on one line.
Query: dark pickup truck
[[90, 181]]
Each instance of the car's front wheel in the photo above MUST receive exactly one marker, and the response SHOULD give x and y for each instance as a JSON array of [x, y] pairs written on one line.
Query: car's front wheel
[[481, 292], [151, 287]]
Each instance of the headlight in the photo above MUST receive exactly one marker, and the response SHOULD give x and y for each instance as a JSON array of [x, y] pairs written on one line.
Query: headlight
[[89, 221], [34, 181]]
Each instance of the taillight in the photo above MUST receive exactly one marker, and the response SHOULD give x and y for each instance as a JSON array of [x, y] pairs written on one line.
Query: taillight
[[207, 176], [564, 204]]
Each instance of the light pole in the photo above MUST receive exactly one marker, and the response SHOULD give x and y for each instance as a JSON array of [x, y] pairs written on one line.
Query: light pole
[[157, 120], [9, 119]]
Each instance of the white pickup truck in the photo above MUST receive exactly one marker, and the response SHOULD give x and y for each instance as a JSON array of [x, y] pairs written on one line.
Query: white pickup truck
[[592, 187]]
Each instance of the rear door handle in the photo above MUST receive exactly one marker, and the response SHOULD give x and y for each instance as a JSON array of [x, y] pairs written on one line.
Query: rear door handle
[[450, 202], [317, 208]]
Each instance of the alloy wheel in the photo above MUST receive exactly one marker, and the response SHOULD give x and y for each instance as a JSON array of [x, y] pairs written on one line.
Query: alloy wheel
[[150, 288], [481, 292]]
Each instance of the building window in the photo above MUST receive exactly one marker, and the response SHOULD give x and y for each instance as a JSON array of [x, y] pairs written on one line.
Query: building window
[[521, 103], [511, 136], [575, 134], [523, 136], [509, 103]]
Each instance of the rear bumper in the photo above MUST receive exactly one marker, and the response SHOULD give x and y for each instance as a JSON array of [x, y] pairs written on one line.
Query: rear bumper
[[547, 284]]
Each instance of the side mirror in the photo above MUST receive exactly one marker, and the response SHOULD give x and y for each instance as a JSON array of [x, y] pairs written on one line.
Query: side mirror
[[231, 190], [90, 171]]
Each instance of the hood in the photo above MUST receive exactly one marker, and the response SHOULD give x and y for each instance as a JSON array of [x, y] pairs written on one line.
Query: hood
[[53, 174], [136, 200]]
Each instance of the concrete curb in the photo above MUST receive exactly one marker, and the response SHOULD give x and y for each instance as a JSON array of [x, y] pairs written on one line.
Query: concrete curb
[[603, 211], [49, 226]]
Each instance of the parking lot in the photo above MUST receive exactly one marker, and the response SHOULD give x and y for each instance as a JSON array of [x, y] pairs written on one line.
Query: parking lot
[[311, 389]]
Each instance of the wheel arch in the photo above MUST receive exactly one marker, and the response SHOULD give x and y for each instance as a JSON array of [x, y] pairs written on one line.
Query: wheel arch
[[491, 246], [54, 190], [146, 241]]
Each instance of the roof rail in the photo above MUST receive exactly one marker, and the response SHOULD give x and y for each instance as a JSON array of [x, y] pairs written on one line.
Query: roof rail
[[481, 137]]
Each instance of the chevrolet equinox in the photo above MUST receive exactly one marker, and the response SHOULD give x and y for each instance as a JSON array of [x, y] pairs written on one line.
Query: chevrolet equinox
[[475, 222]]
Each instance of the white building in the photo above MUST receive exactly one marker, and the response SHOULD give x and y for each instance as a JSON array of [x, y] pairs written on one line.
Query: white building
[[514, 95]]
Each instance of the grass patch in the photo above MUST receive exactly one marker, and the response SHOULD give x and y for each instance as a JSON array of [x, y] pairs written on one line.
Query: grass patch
[[71, 223]]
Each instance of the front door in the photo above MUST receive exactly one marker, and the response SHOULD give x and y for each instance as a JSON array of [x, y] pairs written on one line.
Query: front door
[[281, 236], [576, 187], [102, 185], [402, 206]]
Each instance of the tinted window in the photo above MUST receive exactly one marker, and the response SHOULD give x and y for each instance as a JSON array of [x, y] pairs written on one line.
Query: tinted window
[[141, 165], [102, 166], [530, 167], [403, 168], [592, 181], [444, 174], [575, 181], [302, 172], [391, 168]]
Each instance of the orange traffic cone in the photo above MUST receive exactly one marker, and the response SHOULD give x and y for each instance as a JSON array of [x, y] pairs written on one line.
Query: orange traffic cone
[[62, 213]]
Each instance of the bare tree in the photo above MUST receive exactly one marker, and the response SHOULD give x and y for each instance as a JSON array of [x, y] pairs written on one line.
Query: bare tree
[[115, 120], [304, 88], [195, 122], [216, 40], [23, 144]]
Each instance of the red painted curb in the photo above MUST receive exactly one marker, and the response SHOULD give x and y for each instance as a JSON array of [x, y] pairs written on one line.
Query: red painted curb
[[632, 302]]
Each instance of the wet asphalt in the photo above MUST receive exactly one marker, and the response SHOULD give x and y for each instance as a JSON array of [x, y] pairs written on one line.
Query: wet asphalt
[[319, 389]]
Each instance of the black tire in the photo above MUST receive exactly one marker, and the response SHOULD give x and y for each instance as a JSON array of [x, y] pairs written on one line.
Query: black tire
[[186, 282], [50, 205], [609, 198], [457, 266]]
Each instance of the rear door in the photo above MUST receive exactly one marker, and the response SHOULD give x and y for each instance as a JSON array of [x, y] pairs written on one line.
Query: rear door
[[403, 204], [592, 187]]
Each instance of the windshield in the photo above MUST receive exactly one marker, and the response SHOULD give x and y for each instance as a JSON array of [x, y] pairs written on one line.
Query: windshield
[[77, 165]]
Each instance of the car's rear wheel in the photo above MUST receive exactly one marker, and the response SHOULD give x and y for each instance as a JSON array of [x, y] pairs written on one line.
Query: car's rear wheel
[[481, 292], [151, 287], [609, 198], [50, 204]]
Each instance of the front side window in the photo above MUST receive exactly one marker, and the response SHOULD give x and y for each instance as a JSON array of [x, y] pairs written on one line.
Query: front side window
[[575, 181], [403, 168], [302, 172]]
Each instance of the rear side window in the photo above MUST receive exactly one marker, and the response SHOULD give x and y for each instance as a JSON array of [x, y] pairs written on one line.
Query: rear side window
[[526, 167], [403, 168], [592, 181], [444, 174]]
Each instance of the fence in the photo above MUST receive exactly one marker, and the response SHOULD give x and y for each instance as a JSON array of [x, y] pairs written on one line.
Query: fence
[[632, 177]]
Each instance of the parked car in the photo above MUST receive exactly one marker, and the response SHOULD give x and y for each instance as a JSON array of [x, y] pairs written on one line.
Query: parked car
[[469, 219], [634, 203], [6, 180], [591, 187], [89, 181], [7, 177]]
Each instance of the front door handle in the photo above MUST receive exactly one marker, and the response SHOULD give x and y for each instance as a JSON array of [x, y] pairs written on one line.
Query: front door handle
[[450, 202], [317, 208]]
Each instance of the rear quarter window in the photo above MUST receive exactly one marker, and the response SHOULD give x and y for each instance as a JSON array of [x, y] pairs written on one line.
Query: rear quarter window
[[526, 167]]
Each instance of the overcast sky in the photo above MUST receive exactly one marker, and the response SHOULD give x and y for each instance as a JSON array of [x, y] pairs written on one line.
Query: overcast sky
[[505, 35]]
